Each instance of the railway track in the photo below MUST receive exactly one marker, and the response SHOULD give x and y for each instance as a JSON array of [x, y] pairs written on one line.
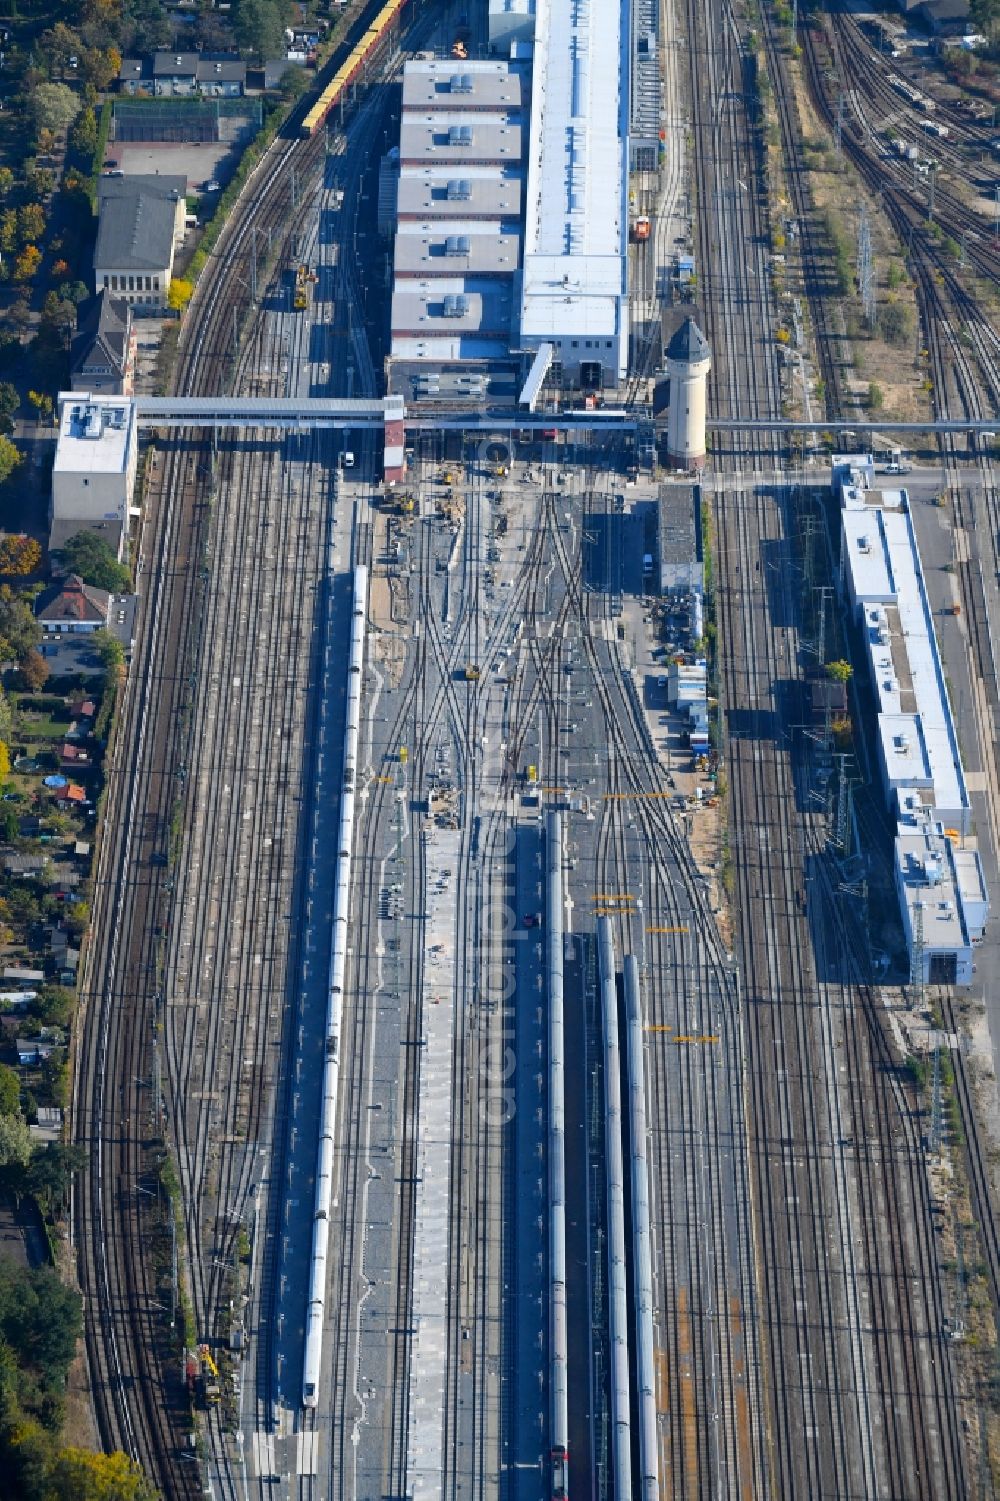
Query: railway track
[[135, 1369], [825, 1432]]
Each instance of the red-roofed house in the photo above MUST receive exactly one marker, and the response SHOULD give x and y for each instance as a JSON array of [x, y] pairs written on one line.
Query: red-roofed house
[[70, 794], [74, 606]]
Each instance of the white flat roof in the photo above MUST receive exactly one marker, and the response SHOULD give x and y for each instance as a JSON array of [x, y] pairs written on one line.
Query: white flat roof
[[903, 750], [456, 249], [94, 436], [924, 862], [423, 192], [418, 308], [461, 85], [882, 556], [869, 561], [576, 224], [428, 139], [926, 674]]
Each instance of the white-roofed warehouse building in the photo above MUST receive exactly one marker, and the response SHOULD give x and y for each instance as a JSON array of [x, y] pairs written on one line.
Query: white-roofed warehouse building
[[575, 281], [939, 877]]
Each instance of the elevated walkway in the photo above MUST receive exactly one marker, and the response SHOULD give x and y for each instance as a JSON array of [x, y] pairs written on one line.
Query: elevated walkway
[[297, 414]]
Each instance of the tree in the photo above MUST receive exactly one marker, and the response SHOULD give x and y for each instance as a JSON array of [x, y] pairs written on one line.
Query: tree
[[10, 457], [34, 671], [52, 106], [19, 555], [42, 404], [73, 291], [83, 136], [8, 231], [15, 1142], [27, 263], [89, 555], [58, 312], [79, 1475], [60, 43], [109, 649], [54, 1006], [100, 68], [260, 27], [839, 671], [4, 761], [6, 725], [19, 630], [876, 396], [179, 293], [6, 181], [10, 1090], [28, 1450], [40, 1318], [30, 222], [19, 312], [10, 400]]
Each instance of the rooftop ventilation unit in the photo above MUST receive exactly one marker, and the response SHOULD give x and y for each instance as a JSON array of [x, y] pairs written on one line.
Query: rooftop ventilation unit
[[459, 189], [461, 83], [92, 423], [456, 305], [457, 245], [460, 135]]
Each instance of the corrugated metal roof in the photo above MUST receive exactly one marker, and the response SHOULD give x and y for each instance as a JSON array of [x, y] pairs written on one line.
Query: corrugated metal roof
[[576, 226]]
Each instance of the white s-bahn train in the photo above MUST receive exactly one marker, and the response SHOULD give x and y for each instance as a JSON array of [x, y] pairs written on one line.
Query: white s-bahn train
[[316, 1298]]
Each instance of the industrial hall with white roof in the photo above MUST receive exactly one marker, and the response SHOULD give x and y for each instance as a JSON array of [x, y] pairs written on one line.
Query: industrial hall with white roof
[[511, 218]]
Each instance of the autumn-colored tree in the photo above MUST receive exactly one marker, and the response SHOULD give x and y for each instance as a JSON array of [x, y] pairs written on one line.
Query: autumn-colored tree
[[27, 263], [4, 761], [83, 136], [839, 671], [79, 1475], [61, 43], [42, 404], [10, 457], [6, 181], [179, 293], [30, 222], [8, 230], [34, 671], [100, 68], [19, 555], [60, 268]]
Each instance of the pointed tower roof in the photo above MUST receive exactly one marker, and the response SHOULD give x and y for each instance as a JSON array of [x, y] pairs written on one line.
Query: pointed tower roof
[[688, 344]]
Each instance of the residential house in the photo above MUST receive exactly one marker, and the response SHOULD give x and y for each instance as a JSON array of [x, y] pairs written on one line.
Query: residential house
[[177, 75], [31, 1051], [48, 1124], [140, 225], [13, 974], [65, 955], [73, 607], [102, 357], [135, 76], [75, 757], [30, 864], [71, 795]]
